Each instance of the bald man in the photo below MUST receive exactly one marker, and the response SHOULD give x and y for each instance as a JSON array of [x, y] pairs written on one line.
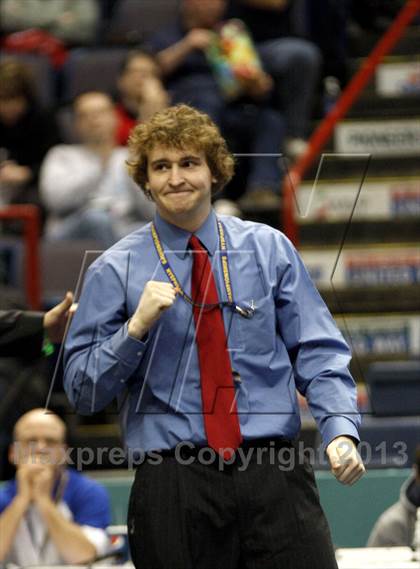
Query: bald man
[[49, 514]]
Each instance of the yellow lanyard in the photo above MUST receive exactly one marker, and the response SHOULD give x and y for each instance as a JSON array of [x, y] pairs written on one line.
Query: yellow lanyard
[[246, 312]]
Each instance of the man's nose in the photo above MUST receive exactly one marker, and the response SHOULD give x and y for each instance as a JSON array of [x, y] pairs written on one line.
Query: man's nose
[[40, 445], [175, 177]]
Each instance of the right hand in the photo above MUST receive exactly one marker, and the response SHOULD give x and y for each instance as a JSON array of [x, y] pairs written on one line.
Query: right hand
[[199, 38], [152, 91], [24, 477], [156, 298], [55, 320]]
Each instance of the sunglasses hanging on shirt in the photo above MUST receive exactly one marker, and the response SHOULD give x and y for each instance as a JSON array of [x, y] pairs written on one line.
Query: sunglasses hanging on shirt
[[244, 311]]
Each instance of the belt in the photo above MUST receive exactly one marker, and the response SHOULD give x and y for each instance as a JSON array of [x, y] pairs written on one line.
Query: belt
[[185, 449]]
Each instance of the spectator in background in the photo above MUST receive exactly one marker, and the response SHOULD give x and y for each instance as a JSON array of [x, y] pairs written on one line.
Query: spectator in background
[[49, 514], [292, 62], [189, 78], [73, 21], [396, 526], [85, 187], [27, 132], [141, 92]]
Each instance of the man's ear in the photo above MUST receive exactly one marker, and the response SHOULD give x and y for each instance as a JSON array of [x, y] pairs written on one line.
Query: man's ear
[[148, 192]]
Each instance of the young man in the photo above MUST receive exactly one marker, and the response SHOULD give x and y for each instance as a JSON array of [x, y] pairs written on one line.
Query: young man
[[49, 514], [205, 328]]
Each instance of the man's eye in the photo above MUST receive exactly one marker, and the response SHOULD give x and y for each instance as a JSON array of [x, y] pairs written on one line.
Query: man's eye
[[160, 167], [188, 163]]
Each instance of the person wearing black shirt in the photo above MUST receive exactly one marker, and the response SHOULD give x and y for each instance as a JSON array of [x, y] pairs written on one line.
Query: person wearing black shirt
[[27, 132]]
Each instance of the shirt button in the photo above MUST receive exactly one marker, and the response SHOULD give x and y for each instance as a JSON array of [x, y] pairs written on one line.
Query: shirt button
[[139, 353]]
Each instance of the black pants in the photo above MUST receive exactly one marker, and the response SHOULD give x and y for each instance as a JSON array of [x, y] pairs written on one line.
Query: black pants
[[196, 516]]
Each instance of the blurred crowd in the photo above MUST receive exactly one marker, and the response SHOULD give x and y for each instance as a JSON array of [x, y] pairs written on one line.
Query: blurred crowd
[[62, 147]]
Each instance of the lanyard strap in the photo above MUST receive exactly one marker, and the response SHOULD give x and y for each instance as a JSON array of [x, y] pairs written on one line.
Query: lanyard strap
[[171, 275]]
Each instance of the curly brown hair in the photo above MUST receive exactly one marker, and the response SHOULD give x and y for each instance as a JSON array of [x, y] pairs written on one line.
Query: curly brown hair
[[180, 127]]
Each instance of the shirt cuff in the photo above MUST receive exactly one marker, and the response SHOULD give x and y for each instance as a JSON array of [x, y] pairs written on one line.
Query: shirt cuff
[[127, 348], [338, 426], [98, 538]]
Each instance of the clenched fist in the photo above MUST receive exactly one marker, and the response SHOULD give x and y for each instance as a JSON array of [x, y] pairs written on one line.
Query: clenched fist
[[156, 298], [345, 461]]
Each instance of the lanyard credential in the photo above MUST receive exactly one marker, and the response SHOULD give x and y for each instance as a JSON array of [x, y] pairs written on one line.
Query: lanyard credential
[[246, 312]]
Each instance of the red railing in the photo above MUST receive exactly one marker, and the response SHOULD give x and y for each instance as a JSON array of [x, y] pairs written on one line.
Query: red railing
[[350, 94], [29, 215]]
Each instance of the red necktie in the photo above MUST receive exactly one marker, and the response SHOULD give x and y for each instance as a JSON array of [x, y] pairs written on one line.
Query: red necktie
[[217, 389]]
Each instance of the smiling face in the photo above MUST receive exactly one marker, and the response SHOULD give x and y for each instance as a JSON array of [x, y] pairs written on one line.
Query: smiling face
[[180, 183]]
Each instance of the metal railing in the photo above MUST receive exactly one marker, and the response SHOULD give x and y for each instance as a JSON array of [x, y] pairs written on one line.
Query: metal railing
[[29, 216], [323, 133]]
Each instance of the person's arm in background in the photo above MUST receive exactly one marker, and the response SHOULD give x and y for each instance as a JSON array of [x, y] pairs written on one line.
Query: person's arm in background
[[22, 332], [154, 98], [170, 58]]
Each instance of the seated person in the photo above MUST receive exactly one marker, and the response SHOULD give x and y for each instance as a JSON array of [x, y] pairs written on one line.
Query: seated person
[[26, 134], [85, 187], [140, 92], [396, 526], [49, 514], [181, 52]]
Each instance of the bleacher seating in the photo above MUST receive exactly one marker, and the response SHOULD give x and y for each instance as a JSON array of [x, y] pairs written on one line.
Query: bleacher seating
[[93, 69], [134, 21]]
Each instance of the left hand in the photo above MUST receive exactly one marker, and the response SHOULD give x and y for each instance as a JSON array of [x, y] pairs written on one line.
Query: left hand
[[55, 320], [345, 461]]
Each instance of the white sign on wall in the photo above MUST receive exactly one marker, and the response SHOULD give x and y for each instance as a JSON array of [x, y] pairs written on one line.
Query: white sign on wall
[[396, 79], [379, 138], [369, 266], [379, 200], [382, 335]]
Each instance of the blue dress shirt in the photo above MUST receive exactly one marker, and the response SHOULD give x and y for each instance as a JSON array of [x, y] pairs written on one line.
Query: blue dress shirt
[[290, 343]]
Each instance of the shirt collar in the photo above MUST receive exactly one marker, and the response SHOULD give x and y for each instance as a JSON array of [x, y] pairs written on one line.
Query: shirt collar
[[176, 239]]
